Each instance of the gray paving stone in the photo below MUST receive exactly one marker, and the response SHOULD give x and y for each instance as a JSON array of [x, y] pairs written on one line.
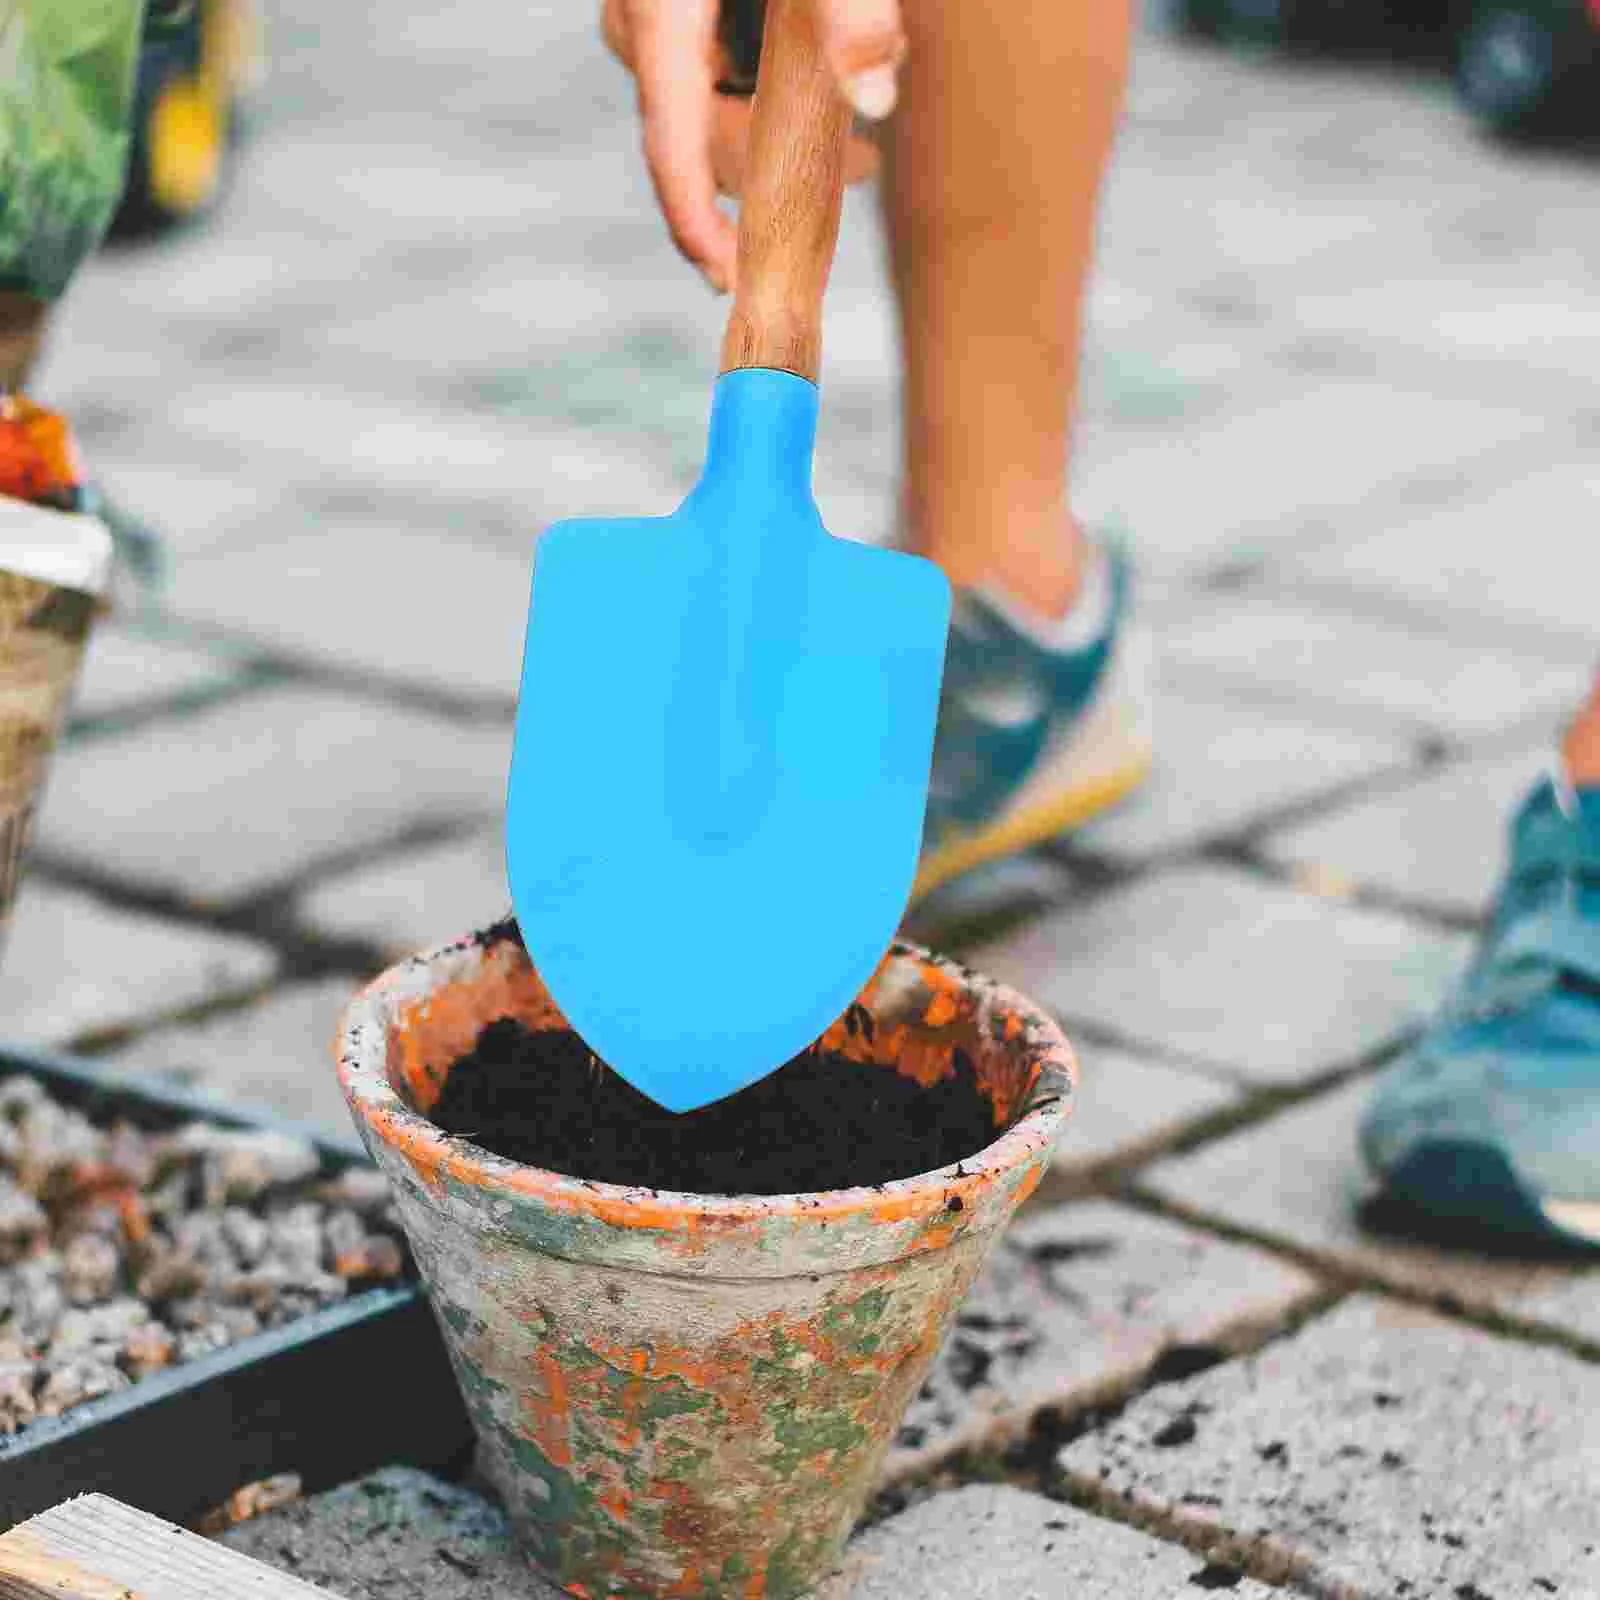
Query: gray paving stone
[[1129, 1105], [125, 668], [250, 273], [1230, 214], [72, 964], [241, 796], [350, 434], [1379, 1452], [1497, 315], [276, 1053], [1266, 984], [195, 504], [999, 1543], [136, 321], [1129, 325], [402, 1532], [1076, 1304], [406, 602], [624, 353], [357, 177], [1512, 551], [398, 1532], [547, 335], [1404, 676], [415, 899], [1220, 764], [1000, 892], [1295, 1179], [1439, 841], [1197, 495]]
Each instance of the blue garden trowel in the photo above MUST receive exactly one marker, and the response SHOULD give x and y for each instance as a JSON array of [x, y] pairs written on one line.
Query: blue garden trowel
[[726, 718]]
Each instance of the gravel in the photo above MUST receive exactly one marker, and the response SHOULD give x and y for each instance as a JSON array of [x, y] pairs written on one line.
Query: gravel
[[124, 1251]]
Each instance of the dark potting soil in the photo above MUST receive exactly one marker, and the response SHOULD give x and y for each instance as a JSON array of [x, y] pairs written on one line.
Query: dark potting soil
[[818, 1122]]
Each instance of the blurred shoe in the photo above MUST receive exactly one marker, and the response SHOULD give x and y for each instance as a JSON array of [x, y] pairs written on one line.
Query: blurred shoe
[[1040, 729], [1489, 1128]]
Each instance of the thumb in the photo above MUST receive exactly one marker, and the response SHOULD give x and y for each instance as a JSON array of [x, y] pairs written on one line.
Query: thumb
[[863, 42]]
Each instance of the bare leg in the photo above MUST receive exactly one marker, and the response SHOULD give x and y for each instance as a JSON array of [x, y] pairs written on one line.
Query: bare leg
[[1581, 748], [993, 168]]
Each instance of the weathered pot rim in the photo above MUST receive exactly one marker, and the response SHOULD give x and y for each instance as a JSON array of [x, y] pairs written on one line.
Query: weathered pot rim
[[382, 1115]]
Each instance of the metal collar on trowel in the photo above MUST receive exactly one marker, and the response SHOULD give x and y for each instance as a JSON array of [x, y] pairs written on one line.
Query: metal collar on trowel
[[726, 715]]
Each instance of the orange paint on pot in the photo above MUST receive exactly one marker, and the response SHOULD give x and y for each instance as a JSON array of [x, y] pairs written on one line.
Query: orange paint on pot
[[945, 1006], [547, 1410], [938, 1237]]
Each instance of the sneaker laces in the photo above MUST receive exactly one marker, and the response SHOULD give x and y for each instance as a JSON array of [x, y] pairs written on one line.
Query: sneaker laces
[[1542, 944]]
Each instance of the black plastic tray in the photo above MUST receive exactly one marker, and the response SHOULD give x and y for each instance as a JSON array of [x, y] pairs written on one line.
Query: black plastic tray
[[330, 1396]]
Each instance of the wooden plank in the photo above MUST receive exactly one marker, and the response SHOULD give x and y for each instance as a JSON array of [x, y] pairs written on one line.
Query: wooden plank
[[96, 1548]]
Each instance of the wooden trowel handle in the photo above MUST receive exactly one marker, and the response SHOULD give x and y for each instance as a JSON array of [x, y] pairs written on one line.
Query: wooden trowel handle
[[789, 207]]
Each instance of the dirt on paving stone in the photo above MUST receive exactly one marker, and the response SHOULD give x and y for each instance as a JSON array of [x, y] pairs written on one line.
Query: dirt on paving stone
[[396, 1534], [818, 1122]]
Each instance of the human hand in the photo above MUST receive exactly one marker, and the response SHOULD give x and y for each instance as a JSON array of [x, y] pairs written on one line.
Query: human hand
[[695, 139]]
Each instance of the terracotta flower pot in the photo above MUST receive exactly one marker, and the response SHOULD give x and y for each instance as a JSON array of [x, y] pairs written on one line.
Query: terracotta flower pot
[[680, 1394]]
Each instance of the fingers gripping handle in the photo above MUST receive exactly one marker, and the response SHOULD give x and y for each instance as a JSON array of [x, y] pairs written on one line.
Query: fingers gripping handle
[[789, 210]]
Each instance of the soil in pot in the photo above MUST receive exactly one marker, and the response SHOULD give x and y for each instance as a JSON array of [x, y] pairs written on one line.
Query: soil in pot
[[821, 1121]]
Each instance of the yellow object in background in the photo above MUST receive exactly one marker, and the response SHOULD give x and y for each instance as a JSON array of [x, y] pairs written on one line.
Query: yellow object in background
[[185, 138], [193, 76]]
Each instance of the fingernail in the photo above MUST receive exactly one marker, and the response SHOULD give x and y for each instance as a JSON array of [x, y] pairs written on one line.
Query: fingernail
[[872, 92]]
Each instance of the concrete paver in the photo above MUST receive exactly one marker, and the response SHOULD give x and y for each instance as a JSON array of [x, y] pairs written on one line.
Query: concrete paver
[[1536, 333], [1002, 893], [1380, 1451], [1203, 495], [277, 1053], [1075, 1306], [412, 900], [414, 602], [1129, 1105], [125, 669], [74, 964], [1294, 1179], [1225, 762], [199, 501], [349, 435], [1438, 840], [240, 797], [1513, 553], [992, 1543], [1405, 676], [405, 1532], [398, 1532], [1264, 983]]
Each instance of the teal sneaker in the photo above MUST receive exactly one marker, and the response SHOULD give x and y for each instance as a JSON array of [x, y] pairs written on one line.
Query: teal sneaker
[[1488, 1129], [1035, 736]]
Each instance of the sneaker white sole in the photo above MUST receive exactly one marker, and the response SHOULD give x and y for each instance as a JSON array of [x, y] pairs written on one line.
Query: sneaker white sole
[[1578, 1218], [1088, 766]]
